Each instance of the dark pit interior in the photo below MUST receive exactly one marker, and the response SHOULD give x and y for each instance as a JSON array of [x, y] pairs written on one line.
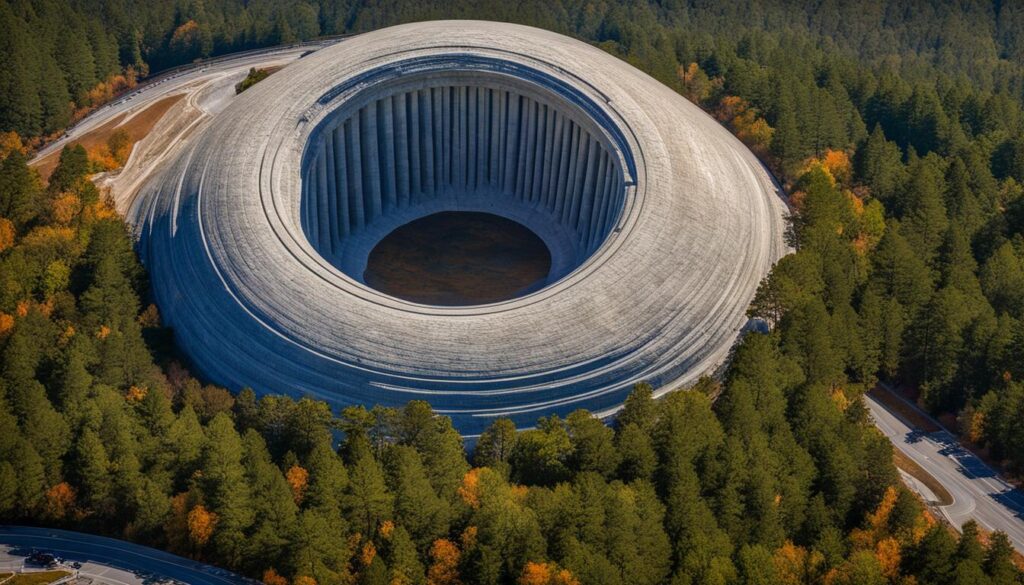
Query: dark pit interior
[[457, 258]]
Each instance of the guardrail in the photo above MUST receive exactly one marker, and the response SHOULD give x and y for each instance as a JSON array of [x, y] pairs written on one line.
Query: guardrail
[[173, 72]]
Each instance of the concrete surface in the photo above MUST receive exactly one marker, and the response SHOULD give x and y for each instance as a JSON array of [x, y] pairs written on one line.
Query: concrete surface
[[658, 292], [107, 560], [978, 492]]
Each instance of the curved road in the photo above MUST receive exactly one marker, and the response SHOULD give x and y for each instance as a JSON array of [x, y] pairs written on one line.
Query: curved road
[[107, 560], [978, 491], [164, 84]]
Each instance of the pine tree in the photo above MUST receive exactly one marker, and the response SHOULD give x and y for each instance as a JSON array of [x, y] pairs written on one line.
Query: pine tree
[[403, 559], [274, 510], [19, 84], [637, 458], [416, 506], [925, 219], [1002, 279], [93, 472], [437, 441], [328, 480], [72, 169], [999, 564], [592, 444], [20, 192], [495, 445], [367, 501], [878, 164], [227, 493]]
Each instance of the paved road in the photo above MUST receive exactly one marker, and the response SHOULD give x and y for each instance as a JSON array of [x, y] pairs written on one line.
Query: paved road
[[978, 491], [106, 560], [162, 86]]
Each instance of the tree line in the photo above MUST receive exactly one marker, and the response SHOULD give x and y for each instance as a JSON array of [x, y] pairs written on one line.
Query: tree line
[[782, 479]]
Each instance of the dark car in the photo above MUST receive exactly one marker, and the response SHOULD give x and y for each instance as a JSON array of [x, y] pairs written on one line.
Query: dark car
[[42, 559]]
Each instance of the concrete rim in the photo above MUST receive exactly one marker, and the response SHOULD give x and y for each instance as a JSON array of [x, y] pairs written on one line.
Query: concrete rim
[[661, 299]]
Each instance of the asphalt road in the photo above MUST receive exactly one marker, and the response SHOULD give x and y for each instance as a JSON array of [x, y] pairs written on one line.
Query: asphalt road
[[978, 491], [106, 560], [163, 85]]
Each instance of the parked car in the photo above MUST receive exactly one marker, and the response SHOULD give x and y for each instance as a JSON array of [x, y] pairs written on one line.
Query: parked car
[[42, 559]]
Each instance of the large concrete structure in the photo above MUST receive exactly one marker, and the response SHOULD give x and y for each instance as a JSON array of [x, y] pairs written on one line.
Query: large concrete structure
[[659, 222]]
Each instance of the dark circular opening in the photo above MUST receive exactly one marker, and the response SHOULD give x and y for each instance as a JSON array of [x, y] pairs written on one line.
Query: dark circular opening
[[457, 258]]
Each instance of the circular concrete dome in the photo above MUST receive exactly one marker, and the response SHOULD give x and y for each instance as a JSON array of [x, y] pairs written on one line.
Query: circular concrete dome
[[660, 225]]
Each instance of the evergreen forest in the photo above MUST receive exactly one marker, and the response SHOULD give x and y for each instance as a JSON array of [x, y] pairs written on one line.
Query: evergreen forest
[[897, 130]]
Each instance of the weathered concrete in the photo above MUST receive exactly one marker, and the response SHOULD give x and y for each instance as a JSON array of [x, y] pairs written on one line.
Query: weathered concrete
[[660, 223]]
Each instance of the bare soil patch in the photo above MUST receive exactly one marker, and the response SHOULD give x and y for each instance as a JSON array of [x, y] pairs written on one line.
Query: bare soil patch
[[904, 410], [137, 128], [458, 258], [917, 472]]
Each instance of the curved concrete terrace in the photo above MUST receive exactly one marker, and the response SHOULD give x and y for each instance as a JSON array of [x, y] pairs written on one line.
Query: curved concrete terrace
[[660, 222]]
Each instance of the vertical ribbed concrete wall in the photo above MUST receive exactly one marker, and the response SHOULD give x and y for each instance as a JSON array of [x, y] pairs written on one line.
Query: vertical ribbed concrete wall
[[357, 139], [404, 149]]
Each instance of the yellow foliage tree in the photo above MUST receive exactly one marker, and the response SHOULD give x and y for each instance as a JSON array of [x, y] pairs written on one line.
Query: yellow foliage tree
[[120, 146], [9, 142], [469, 491], [65, 207], [304, 580], [444, 567], [135, 394], [298, 479], [696, 84], [794, 565], [887, 551], [753, 131], [837, 163], [6, 234]]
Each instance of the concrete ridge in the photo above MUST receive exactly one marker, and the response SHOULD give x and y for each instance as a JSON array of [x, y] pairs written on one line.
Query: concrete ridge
[[659, 294]]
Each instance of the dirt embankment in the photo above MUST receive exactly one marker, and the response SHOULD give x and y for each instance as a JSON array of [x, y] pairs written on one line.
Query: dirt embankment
[[137, 127]]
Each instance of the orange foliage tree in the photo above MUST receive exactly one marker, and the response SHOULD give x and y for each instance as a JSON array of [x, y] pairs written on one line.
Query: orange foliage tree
[[201, 523], [65, 207], [298, 479], [9, 142], [6, 233], [60, 500], [270, 577], [444, 569], [752, 129], [6, 323], [697, 87], [794, 565], [469, 491], [546, 574], [838, 165], [135, 394]]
